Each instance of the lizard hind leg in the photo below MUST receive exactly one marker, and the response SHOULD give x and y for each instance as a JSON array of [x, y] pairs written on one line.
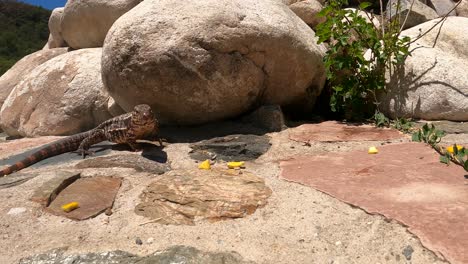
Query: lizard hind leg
[[95, 137]]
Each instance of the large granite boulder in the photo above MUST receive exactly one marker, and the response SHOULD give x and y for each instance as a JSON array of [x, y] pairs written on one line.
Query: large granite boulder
[[418, 12], [199, 61], [432, 84], [307, 10], [462, 8], [16, 73], [62, 96], [444, 7], [85, 22], [55, 27]]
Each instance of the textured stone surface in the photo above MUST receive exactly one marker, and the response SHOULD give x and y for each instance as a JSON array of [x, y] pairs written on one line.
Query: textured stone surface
[[432, 84], [172, 255], [231, 148], [462, 8], [186, 196], [15, 179], [24, 66], [85, 22], [336, 131], [62, 96], [405, 182], [133, 161], [55, 28], [307, 10], [94, 196], [200, 61], [48, 191], [268, 117], [419, 12], [57, 256], [443, 7]]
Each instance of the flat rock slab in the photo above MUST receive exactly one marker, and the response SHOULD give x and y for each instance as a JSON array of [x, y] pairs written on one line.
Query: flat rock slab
[[16, 179], [231, 148], [175, 254], [183, 196], [94, 196], [48, 191], [405, 182], [331, 131], [134, 161]]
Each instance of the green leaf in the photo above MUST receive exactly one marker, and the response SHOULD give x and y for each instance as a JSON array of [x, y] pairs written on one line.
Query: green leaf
[[466, 165], [416, 136], [444, 159]]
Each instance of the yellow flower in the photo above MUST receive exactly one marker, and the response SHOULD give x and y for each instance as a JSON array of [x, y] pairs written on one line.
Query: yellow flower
[[450, 148]]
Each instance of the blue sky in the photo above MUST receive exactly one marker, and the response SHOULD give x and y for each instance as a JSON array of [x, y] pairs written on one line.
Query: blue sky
[[49, 4]]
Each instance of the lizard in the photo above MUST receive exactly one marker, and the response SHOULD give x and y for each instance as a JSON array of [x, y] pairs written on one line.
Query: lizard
[[124, 129]]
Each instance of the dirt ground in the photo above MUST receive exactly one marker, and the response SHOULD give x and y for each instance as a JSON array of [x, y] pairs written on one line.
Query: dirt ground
[[298, 225]]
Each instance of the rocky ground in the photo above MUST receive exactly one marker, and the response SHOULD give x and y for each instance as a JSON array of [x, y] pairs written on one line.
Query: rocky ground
[[287, 223]]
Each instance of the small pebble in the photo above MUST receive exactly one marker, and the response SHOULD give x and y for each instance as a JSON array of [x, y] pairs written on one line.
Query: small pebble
[[408, 252], [138, 241], [337, 243], [150, 240], [16, 211], [108, 211]]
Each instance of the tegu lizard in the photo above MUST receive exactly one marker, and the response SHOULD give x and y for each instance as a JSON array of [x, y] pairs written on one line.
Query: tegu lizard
[[127, 128]]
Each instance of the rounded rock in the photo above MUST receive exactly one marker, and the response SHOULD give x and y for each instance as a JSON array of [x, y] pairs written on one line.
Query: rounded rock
[[62, 96], [16, 73], [431, 84], [200, 61], [85, 22]]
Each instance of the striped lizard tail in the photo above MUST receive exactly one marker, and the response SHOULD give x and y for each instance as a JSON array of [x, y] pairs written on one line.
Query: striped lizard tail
[[58, 147]]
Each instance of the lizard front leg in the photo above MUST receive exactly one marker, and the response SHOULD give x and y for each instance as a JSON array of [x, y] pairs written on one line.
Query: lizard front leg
[[131, 141], [95, 137], [154, 136]]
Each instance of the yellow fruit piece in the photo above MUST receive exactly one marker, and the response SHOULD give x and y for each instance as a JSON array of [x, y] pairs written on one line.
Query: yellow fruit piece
[[235, 164], [373, 150], [450, 148], [70, 206], [205, 165]]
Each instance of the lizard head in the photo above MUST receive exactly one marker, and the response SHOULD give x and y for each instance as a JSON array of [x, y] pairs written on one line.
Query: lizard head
[[142, 114]]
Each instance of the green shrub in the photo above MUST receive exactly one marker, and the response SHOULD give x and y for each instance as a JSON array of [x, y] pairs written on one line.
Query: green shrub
[[354, 79]]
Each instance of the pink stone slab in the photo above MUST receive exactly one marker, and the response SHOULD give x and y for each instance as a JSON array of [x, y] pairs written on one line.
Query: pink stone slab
[[405, 182], [94, 196], [335, 131]]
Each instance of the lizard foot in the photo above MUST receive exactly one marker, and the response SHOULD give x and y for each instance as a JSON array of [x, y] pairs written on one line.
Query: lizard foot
[[84, 152]]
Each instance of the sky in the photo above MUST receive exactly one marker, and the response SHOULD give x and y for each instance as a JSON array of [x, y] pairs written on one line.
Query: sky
[[49, 4]]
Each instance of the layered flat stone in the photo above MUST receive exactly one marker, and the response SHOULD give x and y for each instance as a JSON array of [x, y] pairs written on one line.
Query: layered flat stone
[[182, 197], [331, 131], [405, 182], [94, 196]]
